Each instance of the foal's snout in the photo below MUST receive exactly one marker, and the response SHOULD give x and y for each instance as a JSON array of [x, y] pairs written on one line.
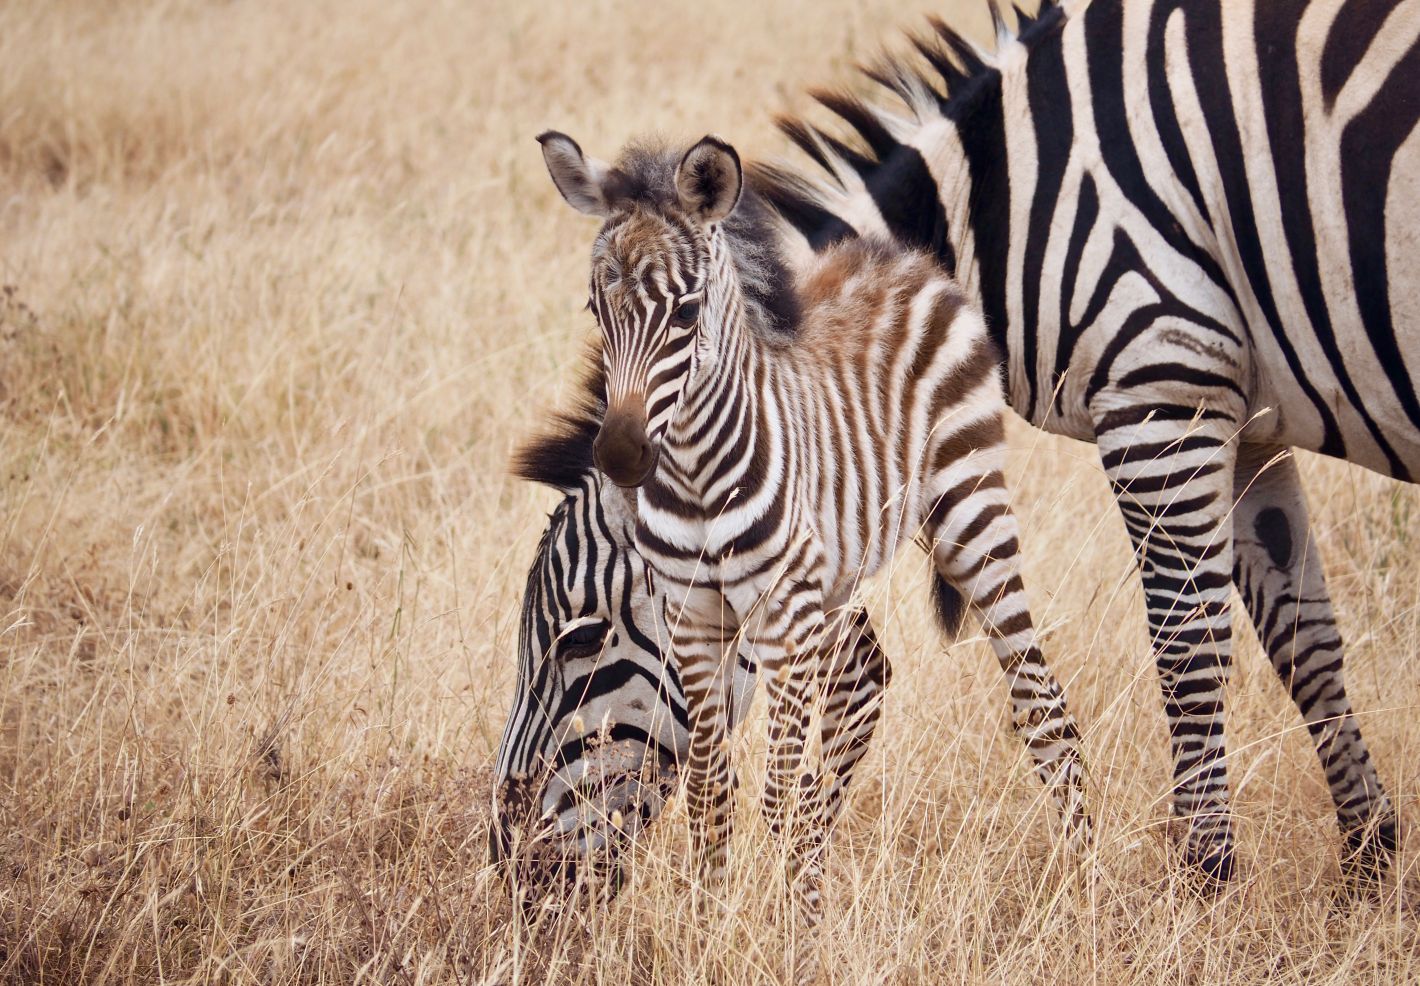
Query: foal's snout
[[622, 450]]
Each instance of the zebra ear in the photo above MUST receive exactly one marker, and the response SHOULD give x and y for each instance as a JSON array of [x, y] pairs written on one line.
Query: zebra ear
[[709, 180], [578, 178]]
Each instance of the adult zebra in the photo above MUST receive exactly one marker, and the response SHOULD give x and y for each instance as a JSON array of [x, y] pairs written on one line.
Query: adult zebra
[[1194, 226]]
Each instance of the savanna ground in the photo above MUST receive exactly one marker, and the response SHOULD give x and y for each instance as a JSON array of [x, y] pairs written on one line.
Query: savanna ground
[[283, 286]]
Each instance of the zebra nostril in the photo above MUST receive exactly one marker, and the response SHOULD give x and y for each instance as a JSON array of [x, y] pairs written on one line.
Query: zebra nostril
[[646, 463], [632, 469]]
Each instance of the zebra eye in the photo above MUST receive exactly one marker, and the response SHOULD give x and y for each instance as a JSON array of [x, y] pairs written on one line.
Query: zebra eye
[[584, 641], [686, 314]]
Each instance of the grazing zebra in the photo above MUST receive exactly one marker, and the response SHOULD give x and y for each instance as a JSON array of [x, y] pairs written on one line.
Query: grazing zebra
[[772, 477], [1194, 228], [591, 750]]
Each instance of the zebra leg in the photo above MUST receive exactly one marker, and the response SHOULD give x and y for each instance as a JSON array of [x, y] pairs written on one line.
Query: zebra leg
[[789, 633], [975, 548], [1171, 466], [1278, 573], [856, 672], [702, 642]]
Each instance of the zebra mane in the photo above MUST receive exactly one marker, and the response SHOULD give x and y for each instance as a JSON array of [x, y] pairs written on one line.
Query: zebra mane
[[644, 174], [957, 76], [561, 455]]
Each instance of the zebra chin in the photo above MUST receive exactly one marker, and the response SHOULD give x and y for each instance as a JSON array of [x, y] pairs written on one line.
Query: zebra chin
[[577, 843]]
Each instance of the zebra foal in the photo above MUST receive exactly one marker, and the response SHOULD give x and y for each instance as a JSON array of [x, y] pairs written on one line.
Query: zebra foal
[[771, 478]]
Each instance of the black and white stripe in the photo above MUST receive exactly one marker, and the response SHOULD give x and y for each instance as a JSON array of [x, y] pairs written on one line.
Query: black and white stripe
[[594, 741], [1193, 226]]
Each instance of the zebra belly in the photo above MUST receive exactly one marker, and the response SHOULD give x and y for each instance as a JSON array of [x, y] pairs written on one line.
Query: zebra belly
[[1316, 206], [1356, 395]]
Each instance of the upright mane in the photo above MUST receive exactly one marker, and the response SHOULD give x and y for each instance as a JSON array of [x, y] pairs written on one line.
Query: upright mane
[[875, 158]]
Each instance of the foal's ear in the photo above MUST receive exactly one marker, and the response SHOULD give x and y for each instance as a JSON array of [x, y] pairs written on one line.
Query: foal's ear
[[709, 180], [578, 178]]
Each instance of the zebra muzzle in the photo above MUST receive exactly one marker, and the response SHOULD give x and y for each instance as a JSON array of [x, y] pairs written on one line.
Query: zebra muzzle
[[622, 450], [548, 844]]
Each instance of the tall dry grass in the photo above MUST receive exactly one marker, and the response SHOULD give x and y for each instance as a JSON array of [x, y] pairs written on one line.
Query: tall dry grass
[[283, 284]]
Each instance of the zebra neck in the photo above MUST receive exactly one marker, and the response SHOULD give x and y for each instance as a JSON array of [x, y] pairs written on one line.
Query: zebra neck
[[726, 342], [712, 422], [944, 184], [972, 173], [726, 360]]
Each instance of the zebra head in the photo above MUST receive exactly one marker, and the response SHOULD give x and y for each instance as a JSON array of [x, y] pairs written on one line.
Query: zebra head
[[651, 284], [589, 750], [598, 724]]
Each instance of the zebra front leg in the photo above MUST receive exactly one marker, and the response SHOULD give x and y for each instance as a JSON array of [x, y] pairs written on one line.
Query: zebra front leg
[[855, 673], [1171, 466], [975, 548], [788, 637], [702, 642], [1278, 573]]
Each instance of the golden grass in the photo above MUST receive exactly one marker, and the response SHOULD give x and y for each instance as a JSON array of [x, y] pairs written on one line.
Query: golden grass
[[285, 283]]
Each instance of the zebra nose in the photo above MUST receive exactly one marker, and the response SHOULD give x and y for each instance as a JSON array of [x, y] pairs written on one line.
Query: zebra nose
[[513, 801], [506, 800], [622, 451]]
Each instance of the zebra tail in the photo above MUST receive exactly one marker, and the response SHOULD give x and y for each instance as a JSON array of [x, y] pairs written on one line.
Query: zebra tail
[[948, 604]]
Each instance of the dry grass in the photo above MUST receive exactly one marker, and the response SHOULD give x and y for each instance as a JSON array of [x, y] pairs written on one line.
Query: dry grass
[[285, 283]]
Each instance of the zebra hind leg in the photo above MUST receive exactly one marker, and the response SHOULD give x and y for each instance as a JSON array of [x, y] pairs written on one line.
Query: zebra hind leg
[[1171, 466], [855, 673], [1278, 573], [975, 548]]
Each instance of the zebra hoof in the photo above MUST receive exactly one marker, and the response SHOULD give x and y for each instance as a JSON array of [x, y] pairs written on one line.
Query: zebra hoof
[[1369, 850], [1214, 867]]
